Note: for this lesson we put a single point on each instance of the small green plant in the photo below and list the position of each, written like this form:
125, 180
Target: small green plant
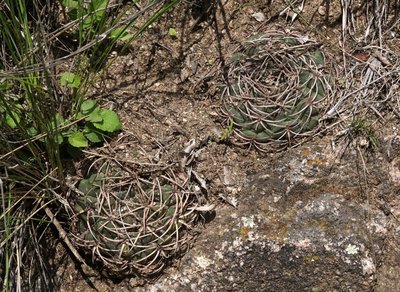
92, 19
172, 32
228, 131
97, 122
363, 128
90, 124
342, 83
88, 14
42, 113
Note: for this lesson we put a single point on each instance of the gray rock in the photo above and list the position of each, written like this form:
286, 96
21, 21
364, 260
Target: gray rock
308, 225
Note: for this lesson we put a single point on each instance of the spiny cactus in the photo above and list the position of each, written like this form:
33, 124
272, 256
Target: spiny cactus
133, 225
276, 91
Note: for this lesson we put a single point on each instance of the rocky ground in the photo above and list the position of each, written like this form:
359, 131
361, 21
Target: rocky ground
323, 216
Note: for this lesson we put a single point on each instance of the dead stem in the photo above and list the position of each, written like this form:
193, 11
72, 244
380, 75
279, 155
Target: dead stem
63, 234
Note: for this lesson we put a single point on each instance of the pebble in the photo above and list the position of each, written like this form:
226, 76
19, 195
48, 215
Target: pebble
259, 16
321, 10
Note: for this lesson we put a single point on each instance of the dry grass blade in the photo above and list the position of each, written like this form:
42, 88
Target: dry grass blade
373, 69
36, 37
368, 21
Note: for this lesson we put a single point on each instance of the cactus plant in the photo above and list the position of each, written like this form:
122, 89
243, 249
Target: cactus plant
276, 90
132, 225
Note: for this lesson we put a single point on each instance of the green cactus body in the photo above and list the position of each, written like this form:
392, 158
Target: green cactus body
277, 88
131, 227
88, 236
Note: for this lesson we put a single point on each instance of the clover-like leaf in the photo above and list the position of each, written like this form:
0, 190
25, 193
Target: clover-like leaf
88, 106
172, 32
110, 122
95, 116
121, 34
58, 138
97, 10
78, 140
93, 135
70, 3
71, 80
88, 21
12, 119
32, 131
